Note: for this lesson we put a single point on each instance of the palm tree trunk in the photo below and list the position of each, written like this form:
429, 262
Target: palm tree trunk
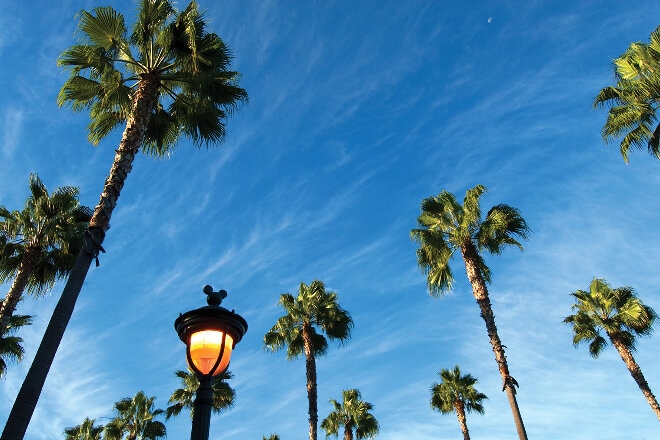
654, 140
8, 305
28, 395
480, 291
310, 368
144, 102
635, 372
348, 432
462, 420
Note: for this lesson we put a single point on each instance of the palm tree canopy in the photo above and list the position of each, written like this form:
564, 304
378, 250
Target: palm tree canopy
184, 397
51, 224
446, 226
84, 431
633, 101
316, 307
135, 419
454, 388
11, 349
188, 65
352, 413
617, 312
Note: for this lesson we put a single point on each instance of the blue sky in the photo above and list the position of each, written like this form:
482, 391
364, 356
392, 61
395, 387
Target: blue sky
358, 111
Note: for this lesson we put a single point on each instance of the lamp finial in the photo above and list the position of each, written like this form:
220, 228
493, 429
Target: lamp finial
214, 298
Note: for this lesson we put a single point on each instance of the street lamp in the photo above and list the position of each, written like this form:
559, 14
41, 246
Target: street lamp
210, 333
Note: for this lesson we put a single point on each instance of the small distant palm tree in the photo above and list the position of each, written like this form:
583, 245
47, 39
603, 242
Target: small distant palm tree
456, 393
84, 431
184, 397
353, 414
39, 244
314, 308
622, 316
11, 349
447, 228
135, 420
271, 437
634, 99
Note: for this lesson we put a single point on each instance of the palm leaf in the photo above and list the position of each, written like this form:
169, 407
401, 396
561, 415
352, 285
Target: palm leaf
105, 28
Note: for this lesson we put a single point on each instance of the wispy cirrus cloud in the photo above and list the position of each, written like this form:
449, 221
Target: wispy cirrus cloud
68, 395
12, 125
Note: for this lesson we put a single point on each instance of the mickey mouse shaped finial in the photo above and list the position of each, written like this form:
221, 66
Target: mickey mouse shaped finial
214, 298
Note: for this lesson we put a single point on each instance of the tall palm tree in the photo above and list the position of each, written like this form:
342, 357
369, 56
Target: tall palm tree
135, 420
10, 346
353, 414
447, 227
271, 437
633, 101
39, 244
313, 311
84, 431
184, 397
456, 393
167, 79
622, 316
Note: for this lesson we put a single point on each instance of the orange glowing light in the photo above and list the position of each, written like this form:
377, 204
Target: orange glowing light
205, 348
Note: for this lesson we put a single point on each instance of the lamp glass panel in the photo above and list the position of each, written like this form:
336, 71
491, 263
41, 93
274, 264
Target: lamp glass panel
205, 348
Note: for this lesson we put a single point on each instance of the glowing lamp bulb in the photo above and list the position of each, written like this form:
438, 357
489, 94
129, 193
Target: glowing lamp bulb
206, 347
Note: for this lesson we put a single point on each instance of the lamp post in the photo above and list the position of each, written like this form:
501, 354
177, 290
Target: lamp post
210, 333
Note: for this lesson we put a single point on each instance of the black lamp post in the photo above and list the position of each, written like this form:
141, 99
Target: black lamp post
210, 333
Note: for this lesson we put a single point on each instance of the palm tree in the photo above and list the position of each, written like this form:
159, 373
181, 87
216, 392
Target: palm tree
456, 393
353, 414
633, 101
622, 316
135, 420
168, 79
447, 227
271, 437
39, 244
84, 431
10, 346
314, 310
184, 397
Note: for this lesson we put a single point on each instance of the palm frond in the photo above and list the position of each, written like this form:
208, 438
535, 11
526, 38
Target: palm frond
188, 66
433, 257
314, 307
352, 413
49, 229
104, 28
471, 211
618, 313
456, 388
11, 348
152, 16
162, 133
182, 397
136, 415
79, 91
446, 226
185, 33
93, 60
502, 226
634, 99
104, 124
199, 118
84, 431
